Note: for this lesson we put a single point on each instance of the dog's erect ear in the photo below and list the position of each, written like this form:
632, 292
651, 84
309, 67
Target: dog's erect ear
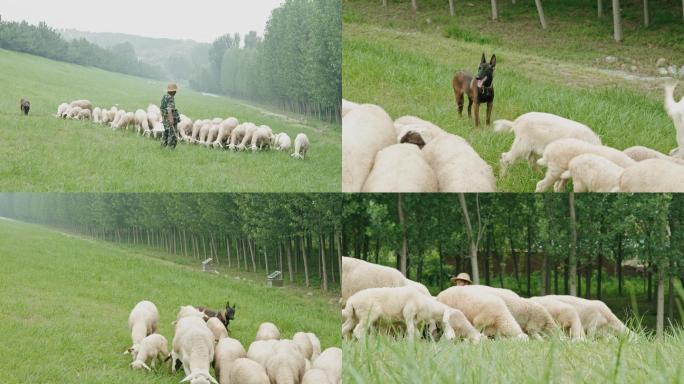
483, 59
492, 61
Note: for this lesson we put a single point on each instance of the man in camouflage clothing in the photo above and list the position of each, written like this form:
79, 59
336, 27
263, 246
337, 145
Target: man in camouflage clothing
170, 117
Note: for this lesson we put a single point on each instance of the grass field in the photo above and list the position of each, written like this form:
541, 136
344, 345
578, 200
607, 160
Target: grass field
65, 304
409, 72
43, 153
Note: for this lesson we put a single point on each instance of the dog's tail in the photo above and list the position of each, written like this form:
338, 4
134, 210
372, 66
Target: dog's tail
541, 161
505, 126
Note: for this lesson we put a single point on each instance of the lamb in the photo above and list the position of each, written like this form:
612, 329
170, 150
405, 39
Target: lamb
126, 120
157, 130
282, 142
286, 365
301, 146
457, 166
246, 371
565, 315
592, 173
267, 331
558, 154
532, 317
653, 175
595, 315
462, 327
226, 353
639, 153
193, 344
534, 131
217, 328
330, 362
83, 104
153, 347
400, 168
141, 122
485, 312
366, 129
142, 321
84, 114
62, 110
261, 138
358, 275
250, 129
236, 136
676, 112
97, 115
347, 106
227, 127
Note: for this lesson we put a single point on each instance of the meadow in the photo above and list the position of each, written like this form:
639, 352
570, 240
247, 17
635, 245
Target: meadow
66, 299
392, 59
41, 153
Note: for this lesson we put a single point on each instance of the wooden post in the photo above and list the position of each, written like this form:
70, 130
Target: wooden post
540, 10
617, 22
647, 17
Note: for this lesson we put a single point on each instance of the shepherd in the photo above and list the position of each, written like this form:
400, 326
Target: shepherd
170, 116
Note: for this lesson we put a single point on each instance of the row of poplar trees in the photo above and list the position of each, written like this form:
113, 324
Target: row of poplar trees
535, 244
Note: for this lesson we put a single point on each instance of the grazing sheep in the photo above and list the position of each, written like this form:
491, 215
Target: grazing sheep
126, 121
653, 175
204, 133
286, 365
315, 344
457, 166
261, 350
141, 122
639, 153
485, 311
117, 116
142, 321
217, 328
193, 345
73, 112
414, 130
267, 331
330, 362
157, 130
366, 129
226, 128
558, 154
62, 110
400, 168
595, 315
212, 135
236, 136
534, 131
246, 371
592, 173
347, 106
676, 112
84, 114
358, 275
83, 104
315, 376
301, 146
462, 327
250, 129
261, 138
304, 344
153, 347
282, 142
226, 353
565, 315
418, 286
97, 115
106, 116
184, 128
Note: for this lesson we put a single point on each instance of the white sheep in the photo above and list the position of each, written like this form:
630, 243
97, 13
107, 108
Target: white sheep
315, 376
62, 110
418, 286
261, 350
226, 128
267, 331
250, 129
212, 135
653, 175
84, 114
558, 154
72, 112
189, 311
592, 173
676, 112
330, 362
142, 321
106, 116
83, 104
414, 130
462, 326
315, 344
304, 344
217, 328
457, 166
639, 153
286, 365
247, 371
152, 348
366, 129
97, 115
236, 136
226, 353
117, 116
184, 128
157, 130
204, 133
595, 315
141, 122
400, 168
193, 345
358, 275
282, 142
261, 138
534, 131
301, 146
565, 316
347, 106
486, 312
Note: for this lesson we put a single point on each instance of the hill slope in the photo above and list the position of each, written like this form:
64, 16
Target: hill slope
63, 318
43, 153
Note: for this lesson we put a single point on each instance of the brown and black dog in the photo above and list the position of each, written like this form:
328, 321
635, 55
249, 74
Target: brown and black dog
479, 89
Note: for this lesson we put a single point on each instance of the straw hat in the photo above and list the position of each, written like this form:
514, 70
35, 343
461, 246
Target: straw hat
462, 276
172, 87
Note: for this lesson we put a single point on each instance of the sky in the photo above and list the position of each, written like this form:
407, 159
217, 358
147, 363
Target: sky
199, 20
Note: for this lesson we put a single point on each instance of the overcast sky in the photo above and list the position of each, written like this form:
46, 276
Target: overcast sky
199, 20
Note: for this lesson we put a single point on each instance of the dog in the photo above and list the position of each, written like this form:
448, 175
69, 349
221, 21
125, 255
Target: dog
479, 89
25, 105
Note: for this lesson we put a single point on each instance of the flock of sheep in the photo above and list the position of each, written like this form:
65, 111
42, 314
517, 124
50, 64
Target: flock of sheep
374, 295
211, 133
414, 155
201, 340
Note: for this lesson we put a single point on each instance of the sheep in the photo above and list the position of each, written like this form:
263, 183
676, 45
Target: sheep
193, 344
330, 362
236, 136
347, 106
485, 312
414, 130
226, 353
532, 317
653, 175
534, 131
558, 154
73, 112
639, 153
592, 173
117, 116
190, 311
400, 168
304, 344
462, 327
212, 135
261, 350
83, 104
282, 142
676, 112
62, 109
267, 331
184, 128
204, 132
142, 321
261, 138
366, 129
418, 286
301, 146
227, 127
315, 344
457, 166
246, 371
97, 115
286, 365
565, 315
595, 315
141, 122
84, 114
358, 275
250, 129
106, 116
153, 347
217, 328
156, 131
316, 376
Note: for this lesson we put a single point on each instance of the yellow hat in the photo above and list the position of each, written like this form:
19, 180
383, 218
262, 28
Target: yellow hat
172, 87
462, 276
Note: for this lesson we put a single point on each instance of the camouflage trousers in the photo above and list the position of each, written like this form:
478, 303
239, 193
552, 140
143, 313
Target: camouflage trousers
169, 136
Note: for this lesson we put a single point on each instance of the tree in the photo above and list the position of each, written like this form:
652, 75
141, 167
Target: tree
573, 245
617, 21
474, 239
251, 40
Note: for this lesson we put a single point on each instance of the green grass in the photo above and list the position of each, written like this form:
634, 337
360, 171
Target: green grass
381, 360
65, 304
43, 153
409, 73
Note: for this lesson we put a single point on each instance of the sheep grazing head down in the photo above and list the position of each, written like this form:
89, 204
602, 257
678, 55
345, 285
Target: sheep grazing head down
199, 378
414, 134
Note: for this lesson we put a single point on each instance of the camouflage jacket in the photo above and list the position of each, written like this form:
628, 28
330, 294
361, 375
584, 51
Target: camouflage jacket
166, 103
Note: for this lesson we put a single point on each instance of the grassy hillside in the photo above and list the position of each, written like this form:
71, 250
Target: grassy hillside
43, 153
63, 318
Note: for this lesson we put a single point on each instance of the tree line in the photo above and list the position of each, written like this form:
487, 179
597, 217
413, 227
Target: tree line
298, 234
535, 244
296, 65
42, 40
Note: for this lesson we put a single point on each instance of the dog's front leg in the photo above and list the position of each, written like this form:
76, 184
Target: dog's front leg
489, 112
470, 106
476, 111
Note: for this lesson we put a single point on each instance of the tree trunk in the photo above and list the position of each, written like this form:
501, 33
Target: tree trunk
573, 245
587, 288
441, 267
599, 277
321, 242
305, 262
540, 11
661, 303
617, 22
228, 252
452, 12
599, 6
487, 257
543, 291
471, 237
339, 256
404, 237
514, 256
331, 247
251, 245
647, 17
289, 259
495, 11
619, 264
528, 261
414, 5
263, 249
